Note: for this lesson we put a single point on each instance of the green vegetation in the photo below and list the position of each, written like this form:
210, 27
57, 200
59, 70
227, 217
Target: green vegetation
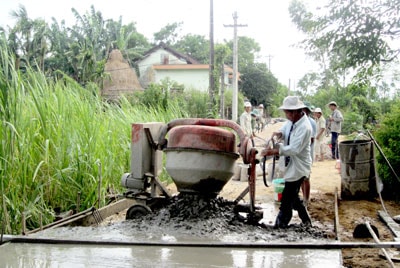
387, 136
80, 51
58, 138
350, 40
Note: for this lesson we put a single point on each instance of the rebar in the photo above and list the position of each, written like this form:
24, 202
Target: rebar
96, 216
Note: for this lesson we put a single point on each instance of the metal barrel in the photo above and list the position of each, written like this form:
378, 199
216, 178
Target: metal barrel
357, 170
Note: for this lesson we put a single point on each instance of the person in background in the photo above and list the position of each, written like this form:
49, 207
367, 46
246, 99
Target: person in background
319, 138
335, 126
254, 122
245, 120
261, 117
308, 110
296, 152
306, 186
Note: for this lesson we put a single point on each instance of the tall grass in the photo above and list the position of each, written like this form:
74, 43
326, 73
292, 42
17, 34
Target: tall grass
56, 138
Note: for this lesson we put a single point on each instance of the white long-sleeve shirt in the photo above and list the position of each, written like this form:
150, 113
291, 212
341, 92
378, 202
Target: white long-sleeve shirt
245, 123
298, 149
336, 124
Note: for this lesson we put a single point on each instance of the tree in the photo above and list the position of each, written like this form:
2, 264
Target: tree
27, 40
59, 42
168, 34
257, 83
355, 34
126, 38
196, 46
88, 48
247, 49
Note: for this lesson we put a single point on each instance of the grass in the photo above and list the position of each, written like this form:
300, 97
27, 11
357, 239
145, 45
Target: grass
57, 139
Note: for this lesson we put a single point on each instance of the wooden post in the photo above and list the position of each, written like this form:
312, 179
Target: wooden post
23, 219
336, 223
99, 188
78, 202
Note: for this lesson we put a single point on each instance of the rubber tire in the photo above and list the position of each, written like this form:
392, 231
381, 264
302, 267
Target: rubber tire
137, 211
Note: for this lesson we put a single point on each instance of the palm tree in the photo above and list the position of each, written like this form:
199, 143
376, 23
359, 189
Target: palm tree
28, 40
126, 38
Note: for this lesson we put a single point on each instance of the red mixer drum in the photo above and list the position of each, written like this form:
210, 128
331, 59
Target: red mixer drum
200, 159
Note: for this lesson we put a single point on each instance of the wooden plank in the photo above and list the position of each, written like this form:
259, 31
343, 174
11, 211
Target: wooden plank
107, 211
336, 223
393, 226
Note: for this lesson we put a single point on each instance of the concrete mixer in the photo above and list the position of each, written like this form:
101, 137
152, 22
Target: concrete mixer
200, 158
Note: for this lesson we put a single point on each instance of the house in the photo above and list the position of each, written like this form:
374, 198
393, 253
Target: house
163, 62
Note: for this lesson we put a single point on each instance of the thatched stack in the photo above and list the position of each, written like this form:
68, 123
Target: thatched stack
122, 78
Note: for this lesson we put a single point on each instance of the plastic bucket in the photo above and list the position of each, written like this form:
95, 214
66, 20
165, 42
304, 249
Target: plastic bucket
357, 169
279, 185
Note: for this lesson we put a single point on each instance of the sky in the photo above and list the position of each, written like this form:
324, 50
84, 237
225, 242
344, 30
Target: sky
267, 22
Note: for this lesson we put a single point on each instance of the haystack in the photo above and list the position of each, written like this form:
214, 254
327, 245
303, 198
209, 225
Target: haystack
122, 79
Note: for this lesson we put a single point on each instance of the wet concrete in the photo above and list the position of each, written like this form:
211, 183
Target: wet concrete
43, 255
194, 218
202, 222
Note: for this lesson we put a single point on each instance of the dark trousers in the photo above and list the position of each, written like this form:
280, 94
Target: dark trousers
290, 200
334, 143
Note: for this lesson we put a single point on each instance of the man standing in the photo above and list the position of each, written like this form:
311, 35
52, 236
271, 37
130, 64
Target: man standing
261, 116
308, 111
245, 120
305, 186
335, 125
296, 151
319, 138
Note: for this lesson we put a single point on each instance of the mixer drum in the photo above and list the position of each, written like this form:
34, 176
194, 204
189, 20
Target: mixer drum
200, 159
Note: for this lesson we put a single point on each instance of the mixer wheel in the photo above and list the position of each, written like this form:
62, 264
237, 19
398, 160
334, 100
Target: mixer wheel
137, 211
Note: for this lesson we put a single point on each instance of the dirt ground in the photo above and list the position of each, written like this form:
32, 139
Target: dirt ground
325, 181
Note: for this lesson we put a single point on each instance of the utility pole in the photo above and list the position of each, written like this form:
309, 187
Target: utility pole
211, 66
222, 98
235, 66
289, 86
269, 62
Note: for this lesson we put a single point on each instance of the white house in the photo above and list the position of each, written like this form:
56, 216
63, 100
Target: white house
162, 62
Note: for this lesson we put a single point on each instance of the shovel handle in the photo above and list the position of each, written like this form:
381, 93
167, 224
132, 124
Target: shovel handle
376, 239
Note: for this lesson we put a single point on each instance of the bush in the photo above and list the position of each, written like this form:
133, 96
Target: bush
387, 136
353, 122
195, 103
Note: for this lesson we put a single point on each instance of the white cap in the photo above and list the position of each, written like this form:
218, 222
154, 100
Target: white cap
292, 103
318, 110
247, 104
332, 103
